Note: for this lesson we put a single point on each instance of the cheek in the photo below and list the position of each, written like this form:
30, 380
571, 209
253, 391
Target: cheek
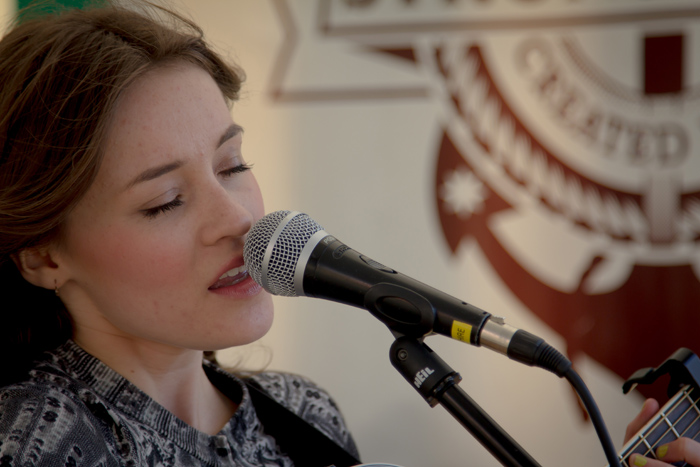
127, 257
257, 207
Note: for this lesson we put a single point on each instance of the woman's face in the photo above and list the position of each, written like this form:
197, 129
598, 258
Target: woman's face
146, 250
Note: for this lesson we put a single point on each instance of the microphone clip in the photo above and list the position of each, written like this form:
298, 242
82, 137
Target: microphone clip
402, 310
437, 383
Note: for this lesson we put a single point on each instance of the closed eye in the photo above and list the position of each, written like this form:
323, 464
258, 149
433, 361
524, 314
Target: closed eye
152, 213
235, 170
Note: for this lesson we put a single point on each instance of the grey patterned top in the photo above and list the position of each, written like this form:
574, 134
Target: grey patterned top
76, 411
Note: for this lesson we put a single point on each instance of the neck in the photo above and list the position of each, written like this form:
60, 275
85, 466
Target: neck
173, 377
678, 417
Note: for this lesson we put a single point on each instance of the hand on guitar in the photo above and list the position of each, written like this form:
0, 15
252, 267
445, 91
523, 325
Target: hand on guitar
682, 449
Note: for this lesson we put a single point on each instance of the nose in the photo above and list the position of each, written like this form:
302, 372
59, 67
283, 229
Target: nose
227, 215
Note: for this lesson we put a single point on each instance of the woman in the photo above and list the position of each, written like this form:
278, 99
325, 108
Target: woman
124, 204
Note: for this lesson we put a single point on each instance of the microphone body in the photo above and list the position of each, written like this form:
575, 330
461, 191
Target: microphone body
289, 254
338, 273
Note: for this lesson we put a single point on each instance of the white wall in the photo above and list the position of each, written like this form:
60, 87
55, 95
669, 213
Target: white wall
336, 161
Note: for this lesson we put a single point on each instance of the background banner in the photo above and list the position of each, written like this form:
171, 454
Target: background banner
537, 159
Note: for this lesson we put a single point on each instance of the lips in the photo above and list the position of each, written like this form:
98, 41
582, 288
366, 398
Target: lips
231, 277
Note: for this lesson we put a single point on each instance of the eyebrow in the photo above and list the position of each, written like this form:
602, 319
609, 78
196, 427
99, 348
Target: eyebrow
155, 172
231, 132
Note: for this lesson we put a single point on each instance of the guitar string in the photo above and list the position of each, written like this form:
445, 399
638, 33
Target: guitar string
662, 417
693, 406
672, 424
656, 422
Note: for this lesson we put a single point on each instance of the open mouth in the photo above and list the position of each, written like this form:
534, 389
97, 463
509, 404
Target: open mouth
231, 277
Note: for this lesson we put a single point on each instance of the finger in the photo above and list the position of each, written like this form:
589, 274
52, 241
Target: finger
649, 408
683, 449
637, 460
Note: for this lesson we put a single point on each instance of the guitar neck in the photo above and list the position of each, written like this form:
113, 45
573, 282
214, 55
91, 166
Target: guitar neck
679, 417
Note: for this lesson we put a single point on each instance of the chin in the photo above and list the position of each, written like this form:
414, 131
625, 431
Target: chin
256, 327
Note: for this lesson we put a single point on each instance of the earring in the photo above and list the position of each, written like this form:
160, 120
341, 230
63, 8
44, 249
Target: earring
55, 287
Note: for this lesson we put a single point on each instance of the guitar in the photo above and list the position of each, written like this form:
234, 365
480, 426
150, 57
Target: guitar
678, 418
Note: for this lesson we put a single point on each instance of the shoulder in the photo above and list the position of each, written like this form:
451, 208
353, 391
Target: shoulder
312, 403
295, 392
48, 424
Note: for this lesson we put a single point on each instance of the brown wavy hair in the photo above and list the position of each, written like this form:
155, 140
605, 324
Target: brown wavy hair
62, 75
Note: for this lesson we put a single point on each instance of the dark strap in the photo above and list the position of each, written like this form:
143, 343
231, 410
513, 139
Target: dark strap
298, 439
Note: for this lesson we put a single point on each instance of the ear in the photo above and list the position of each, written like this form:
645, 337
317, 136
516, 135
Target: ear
37, 267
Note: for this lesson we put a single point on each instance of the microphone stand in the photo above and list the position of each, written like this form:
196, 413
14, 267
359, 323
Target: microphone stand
438, 384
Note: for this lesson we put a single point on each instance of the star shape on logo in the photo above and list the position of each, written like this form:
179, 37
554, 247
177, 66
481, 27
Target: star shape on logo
463, 193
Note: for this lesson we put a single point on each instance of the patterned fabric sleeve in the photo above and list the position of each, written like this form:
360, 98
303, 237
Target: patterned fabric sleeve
47, 427
311, 403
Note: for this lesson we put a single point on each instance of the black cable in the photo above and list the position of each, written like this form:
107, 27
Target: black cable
549, 358
597, 419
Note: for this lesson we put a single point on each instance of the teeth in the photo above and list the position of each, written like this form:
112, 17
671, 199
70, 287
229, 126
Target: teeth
233, 272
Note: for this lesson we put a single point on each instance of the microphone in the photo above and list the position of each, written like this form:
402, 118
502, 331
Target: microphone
289, 254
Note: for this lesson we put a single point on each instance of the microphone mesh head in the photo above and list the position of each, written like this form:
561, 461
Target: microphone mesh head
289, 243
